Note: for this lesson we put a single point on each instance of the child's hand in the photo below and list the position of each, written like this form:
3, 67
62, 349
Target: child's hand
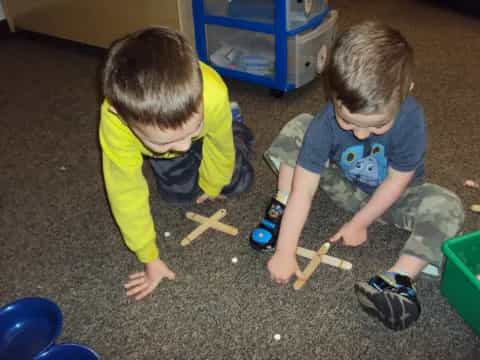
202, 198
351, 234
282, 267
141, 284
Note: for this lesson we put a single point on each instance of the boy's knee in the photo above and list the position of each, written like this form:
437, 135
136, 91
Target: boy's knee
456, 206
450, 203
443, 208
298, 125
287, 144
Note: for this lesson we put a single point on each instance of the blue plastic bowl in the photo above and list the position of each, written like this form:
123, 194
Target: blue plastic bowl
28, 327
68, 352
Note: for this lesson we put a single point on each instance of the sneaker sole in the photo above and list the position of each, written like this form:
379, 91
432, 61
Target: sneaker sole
383, 306
260, 248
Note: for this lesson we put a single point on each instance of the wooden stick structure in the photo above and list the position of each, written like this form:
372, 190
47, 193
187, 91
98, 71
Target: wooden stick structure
316, 258
475, 208
312, 266
207, 223
227, 229
326, 259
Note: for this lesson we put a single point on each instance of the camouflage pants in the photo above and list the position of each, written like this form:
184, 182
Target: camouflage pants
431, 213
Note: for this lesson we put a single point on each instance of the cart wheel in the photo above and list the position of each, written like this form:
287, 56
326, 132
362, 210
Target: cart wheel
277, 93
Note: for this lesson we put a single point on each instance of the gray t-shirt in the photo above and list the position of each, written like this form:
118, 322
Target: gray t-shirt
365, 162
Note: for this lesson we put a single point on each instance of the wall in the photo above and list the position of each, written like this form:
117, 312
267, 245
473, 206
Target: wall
2, 15
98, 22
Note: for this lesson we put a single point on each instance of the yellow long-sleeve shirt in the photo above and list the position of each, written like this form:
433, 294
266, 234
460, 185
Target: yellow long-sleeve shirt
122, 157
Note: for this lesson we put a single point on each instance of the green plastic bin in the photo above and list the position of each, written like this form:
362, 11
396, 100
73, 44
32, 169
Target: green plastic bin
459, 279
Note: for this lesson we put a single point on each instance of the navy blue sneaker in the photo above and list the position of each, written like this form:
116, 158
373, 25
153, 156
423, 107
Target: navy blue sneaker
264, 236
391, 298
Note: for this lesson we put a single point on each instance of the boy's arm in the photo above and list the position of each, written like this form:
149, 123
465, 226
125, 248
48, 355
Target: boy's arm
384, 197
218, 151
128, 194
304, 187
127, 189
355, 231
284, 264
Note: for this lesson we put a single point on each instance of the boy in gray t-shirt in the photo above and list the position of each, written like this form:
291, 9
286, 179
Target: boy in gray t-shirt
365, 149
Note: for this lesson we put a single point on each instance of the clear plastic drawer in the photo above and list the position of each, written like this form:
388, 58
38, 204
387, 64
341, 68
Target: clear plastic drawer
241, 50
304, 47
298, 12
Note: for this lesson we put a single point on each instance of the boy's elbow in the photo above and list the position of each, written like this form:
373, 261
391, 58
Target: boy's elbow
400, 179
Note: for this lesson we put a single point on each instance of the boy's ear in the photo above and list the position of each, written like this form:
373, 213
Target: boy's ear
322, 59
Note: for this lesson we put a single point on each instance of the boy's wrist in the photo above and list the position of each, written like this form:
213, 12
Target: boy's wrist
359, 220
153, 263
148, 253
286, 250
209, 188
157, 259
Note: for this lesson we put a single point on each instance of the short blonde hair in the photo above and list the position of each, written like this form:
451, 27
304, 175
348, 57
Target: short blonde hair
371, 68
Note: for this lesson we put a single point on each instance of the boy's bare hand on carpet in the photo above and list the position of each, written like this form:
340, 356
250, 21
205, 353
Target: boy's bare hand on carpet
282, 267
143, 283
204, 197
350, 234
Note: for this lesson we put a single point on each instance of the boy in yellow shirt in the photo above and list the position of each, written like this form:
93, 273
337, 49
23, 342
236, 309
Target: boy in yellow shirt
162, 103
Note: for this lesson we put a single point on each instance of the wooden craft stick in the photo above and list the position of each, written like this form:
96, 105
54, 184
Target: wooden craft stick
312, 265
227, 229
306, 253
326, 259
203, 227
475, 208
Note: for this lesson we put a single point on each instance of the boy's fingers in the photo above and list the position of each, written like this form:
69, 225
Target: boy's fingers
170, 275
133, 283
137, 289
274, 278
145, 292
137, 275
300, 275
201, 199
336, 237
280, 280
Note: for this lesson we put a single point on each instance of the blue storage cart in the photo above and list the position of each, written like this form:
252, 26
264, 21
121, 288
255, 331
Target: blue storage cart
268, 42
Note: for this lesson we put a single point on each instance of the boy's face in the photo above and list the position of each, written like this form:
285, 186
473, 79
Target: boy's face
165, 140
363, 125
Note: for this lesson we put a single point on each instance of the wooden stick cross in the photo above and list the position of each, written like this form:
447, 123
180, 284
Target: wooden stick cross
206, 223
316, 258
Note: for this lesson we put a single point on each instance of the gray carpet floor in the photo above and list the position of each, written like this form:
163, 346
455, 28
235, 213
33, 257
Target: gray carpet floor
58, 239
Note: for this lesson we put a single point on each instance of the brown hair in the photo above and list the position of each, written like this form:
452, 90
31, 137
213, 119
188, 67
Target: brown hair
371, 68
153, 77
